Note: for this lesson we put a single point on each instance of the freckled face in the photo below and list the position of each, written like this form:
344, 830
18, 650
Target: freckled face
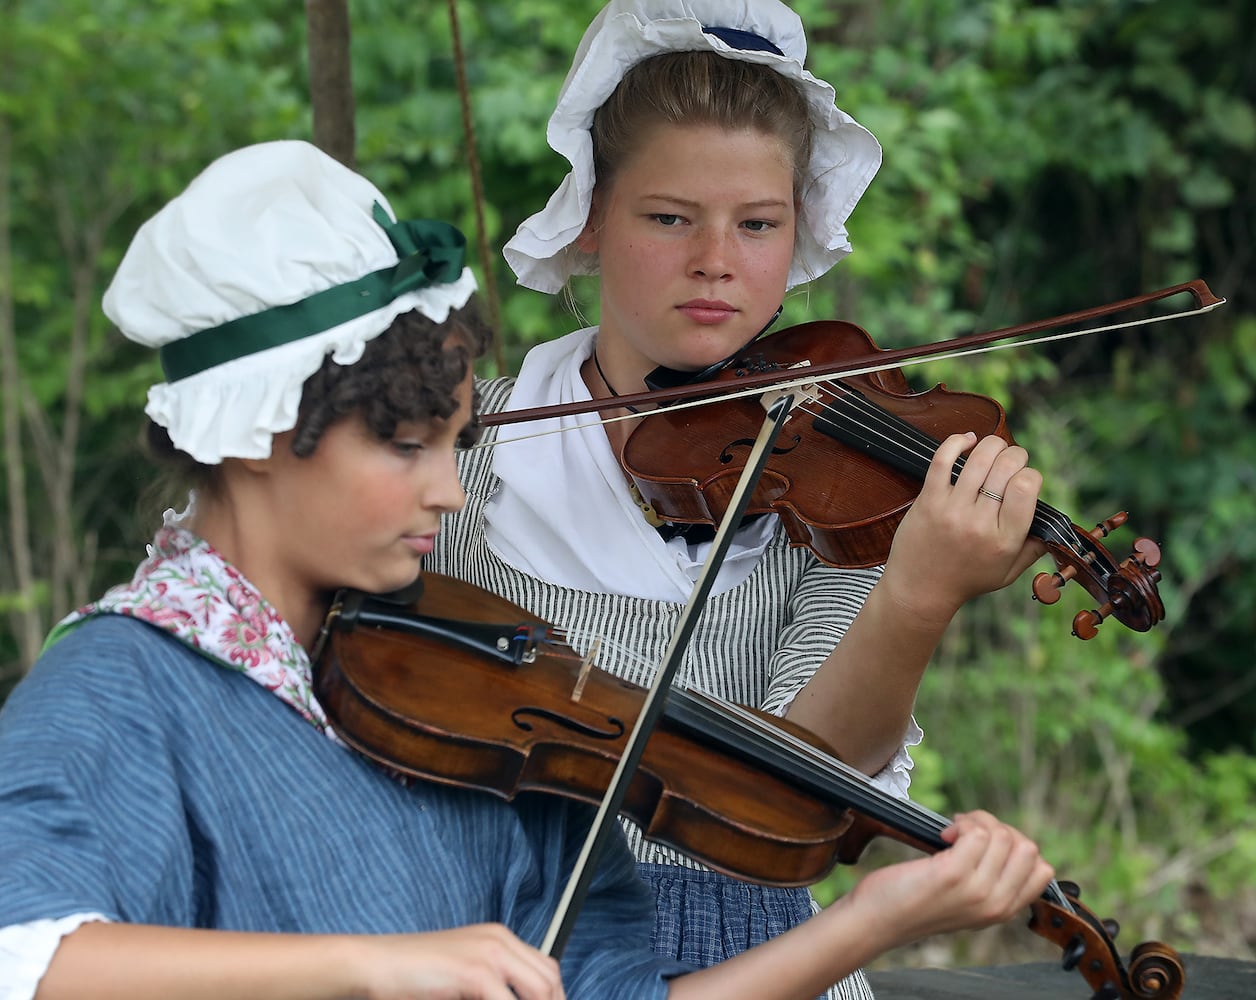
362, 512
694, 240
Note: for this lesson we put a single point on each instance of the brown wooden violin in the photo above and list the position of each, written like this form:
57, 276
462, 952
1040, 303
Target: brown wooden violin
853, 457
744, 792
849, 463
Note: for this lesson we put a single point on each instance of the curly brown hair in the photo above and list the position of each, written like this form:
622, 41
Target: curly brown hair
410, 373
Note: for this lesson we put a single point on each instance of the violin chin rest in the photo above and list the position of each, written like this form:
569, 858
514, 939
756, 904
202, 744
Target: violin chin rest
405, 596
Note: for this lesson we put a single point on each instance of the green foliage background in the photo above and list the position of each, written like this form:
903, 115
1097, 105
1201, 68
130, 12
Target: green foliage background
1039, 158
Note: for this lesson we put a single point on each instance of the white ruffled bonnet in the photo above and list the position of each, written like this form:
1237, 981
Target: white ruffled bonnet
234, 259
844, 157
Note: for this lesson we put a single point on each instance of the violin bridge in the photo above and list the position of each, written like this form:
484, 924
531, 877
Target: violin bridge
586, 667
808, 392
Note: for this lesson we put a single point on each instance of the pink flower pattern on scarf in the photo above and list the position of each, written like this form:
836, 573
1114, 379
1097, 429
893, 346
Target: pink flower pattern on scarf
188, 589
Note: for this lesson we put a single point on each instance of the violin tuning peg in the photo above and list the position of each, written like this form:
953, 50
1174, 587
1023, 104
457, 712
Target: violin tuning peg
1104, 528
1086, 623
1070, 889
1111, 928
1148, 553
1046, 588
1047, 585
1074, 952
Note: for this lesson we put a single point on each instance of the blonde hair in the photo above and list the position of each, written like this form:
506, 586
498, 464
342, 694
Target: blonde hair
700, 88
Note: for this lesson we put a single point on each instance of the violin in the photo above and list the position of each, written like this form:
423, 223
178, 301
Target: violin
849, 463
862, 427
746, 793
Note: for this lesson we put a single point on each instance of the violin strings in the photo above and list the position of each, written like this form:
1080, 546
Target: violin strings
1052, 524
836, 777
894, 436
732, 725
742, 728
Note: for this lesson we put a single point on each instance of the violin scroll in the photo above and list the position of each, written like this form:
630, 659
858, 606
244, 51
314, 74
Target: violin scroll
1127, 590
1155, 971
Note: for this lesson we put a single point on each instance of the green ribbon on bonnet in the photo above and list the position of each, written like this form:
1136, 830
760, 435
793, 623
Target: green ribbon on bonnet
431, 252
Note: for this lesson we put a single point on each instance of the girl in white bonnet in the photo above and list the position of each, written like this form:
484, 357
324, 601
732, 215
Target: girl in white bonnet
177, 816
710, 172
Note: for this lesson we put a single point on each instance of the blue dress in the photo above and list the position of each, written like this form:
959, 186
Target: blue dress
141, 781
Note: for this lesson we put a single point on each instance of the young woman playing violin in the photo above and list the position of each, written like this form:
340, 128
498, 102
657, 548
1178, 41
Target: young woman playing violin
711, 172
178, 818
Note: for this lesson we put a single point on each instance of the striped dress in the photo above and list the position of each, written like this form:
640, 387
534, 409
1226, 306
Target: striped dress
756, 644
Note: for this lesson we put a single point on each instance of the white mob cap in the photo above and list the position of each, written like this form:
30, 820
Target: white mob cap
273, 258
844, 156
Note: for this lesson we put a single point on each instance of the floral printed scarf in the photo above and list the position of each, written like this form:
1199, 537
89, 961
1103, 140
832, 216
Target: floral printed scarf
187, 589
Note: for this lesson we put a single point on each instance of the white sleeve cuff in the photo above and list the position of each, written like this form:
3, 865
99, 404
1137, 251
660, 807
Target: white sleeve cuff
26, 951
895, 777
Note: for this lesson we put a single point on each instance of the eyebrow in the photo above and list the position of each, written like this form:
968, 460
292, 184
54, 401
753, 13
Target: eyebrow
673, 199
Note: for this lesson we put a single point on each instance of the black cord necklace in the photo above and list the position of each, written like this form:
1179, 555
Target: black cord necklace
606, 382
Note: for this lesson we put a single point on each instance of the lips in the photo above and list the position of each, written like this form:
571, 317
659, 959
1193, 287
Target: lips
422, 544
707, 310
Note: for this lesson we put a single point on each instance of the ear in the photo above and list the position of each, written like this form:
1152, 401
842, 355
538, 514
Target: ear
256, 466
587, 241
280, 445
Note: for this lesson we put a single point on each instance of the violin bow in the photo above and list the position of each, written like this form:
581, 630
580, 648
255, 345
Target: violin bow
652, 707
700, 393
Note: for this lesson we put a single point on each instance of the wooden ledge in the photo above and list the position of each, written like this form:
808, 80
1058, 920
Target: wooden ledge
1207, 978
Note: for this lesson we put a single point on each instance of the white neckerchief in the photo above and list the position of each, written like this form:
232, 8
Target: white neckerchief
563, 512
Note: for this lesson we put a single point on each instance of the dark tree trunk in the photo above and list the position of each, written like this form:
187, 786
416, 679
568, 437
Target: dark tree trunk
331, 78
